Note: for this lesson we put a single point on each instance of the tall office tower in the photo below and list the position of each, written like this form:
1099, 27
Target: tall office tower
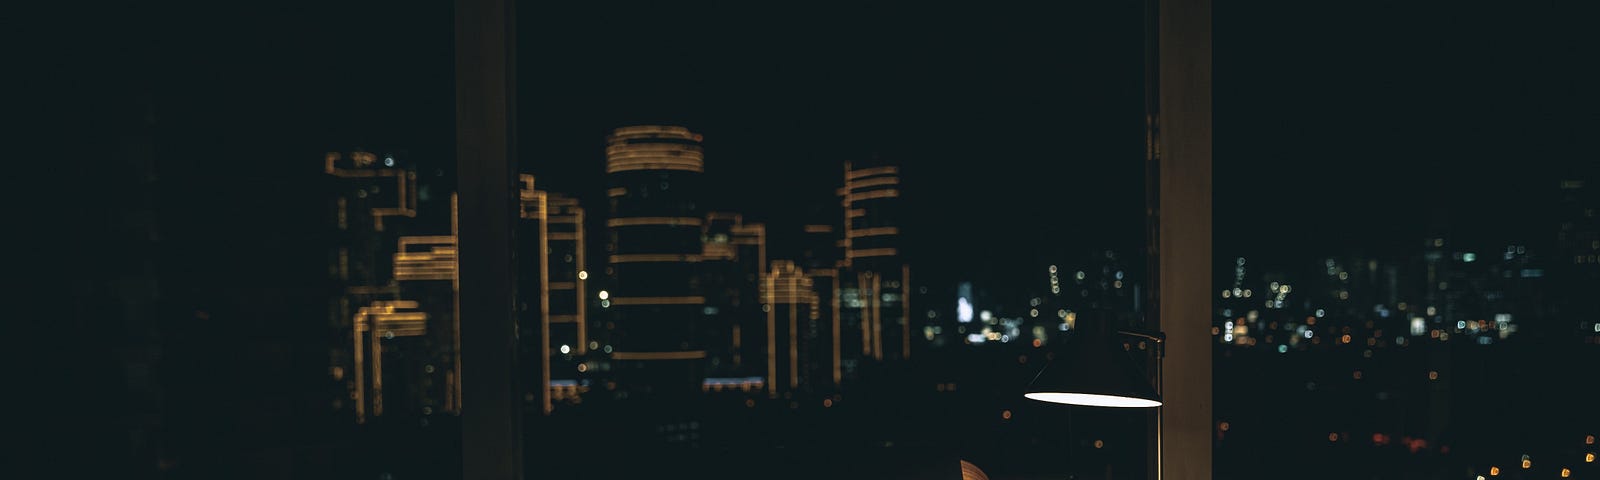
365, 192
425, 269
568, 279
875, 281
820, 259
397, 304
368, 196
791, 328
653, 252
550, 295
1576, 263
1578, 232
533, 294
732, 273
136, 282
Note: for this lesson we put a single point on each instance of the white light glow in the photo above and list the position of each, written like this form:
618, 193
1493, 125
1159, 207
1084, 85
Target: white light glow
963, 310
1092, 400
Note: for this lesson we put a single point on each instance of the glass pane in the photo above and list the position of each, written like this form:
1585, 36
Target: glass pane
281, 301
770, 237
1405, 269
741, 246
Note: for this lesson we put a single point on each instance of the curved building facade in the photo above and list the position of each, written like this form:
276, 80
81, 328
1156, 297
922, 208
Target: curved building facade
653, 254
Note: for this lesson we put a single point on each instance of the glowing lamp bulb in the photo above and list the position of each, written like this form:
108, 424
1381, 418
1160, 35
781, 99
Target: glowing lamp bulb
1093, 400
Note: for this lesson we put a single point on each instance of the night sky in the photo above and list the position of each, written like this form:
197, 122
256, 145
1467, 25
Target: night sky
1355, 127
1019, 127
1020, 132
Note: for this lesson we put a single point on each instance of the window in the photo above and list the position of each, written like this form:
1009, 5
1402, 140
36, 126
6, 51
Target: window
750, 241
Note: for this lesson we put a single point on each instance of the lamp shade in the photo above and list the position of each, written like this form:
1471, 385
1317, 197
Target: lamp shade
1089, 370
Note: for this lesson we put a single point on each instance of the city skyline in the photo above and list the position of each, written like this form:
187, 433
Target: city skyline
1574, 238
664, 265
1453, 325
1438, 155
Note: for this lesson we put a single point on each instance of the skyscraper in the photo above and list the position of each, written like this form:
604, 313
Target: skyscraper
533, 291
654, 246
875, 280
397, 304
551, 304
425, 271
820, 252
791, 306
733, 269
568, 277
1576, 265
1578, 233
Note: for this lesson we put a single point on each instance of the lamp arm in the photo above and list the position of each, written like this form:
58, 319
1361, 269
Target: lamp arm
1159, 338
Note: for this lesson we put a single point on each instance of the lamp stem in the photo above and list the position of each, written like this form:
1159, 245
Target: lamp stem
1152, 187
1156, 458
